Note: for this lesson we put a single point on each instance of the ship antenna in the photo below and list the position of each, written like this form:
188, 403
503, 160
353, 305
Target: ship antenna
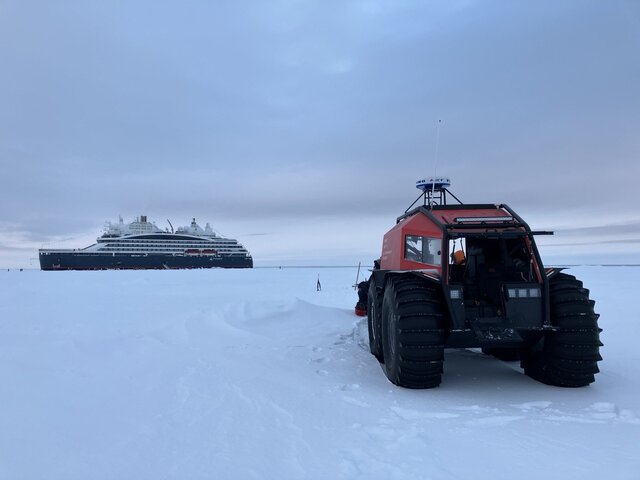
435, 167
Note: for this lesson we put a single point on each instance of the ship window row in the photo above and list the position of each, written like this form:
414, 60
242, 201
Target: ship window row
104, 249
176, 245
190, 240
147, 242
180, 250
181, 240
173, 247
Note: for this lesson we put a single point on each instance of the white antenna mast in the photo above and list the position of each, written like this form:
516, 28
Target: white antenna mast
435, 167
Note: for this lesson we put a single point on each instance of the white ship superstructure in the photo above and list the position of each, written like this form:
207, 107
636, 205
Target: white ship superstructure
142, 244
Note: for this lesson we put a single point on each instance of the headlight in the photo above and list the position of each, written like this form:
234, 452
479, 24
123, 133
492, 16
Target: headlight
533, 292
456, 294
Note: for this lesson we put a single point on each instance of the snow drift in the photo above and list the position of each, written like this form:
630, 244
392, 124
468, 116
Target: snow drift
254, 374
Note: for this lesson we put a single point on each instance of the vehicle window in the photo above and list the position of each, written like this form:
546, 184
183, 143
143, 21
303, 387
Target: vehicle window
422, 249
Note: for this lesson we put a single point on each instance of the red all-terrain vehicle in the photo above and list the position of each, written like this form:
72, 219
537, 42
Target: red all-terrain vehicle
464, 276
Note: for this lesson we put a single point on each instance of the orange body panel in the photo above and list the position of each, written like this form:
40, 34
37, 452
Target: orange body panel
392, 257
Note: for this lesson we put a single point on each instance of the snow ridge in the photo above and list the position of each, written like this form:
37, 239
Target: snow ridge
254, 374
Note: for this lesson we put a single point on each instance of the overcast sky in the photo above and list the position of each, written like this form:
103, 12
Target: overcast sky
300, 127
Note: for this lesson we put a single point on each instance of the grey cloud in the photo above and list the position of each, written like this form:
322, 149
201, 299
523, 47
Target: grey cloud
607, 229
288, 110
631, 241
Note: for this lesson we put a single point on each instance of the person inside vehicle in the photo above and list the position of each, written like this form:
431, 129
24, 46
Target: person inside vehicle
458, 258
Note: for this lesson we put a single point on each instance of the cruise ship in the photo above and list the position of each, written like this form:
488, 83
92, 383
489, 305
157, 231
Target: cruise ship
142, 245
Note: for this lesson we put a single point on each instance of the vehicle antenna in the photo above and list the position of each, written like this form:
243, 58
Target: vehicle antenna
435, 167
355, 287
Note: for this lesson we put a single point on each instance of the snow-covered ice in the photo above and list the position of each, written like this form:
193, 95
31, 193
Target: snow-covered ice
241, 374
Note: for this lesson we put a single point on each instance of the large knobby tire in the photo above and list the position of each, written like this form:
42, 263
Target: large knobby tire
374, 309
413, 332
569, 356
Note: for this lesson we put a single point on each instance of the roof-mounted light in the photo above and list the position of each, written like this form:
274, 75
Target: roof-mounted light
502, 219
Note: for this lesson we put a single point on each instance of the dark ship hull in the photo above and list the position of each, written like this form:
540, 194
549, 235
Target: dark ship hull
76, 260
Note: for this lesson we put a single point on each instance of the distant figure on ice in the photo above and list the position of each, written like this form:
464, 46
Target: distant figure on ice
363, 294
318, 286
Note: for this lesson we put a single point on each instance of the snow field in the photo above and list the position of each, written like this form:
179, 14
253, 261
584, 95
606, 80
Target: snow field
253, 374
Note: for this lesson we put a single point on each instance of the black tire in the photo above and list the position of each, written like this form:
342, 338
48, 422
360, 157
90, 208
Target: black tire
569, 356
504, 354
374, 308
413, 332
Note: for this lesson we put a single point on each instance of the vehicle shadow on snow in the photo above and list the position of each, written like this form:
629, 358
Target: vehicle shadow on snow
465, 369
471, 369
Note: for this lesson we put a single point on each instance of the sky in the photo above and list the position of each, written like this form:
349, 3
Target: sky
300, 127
